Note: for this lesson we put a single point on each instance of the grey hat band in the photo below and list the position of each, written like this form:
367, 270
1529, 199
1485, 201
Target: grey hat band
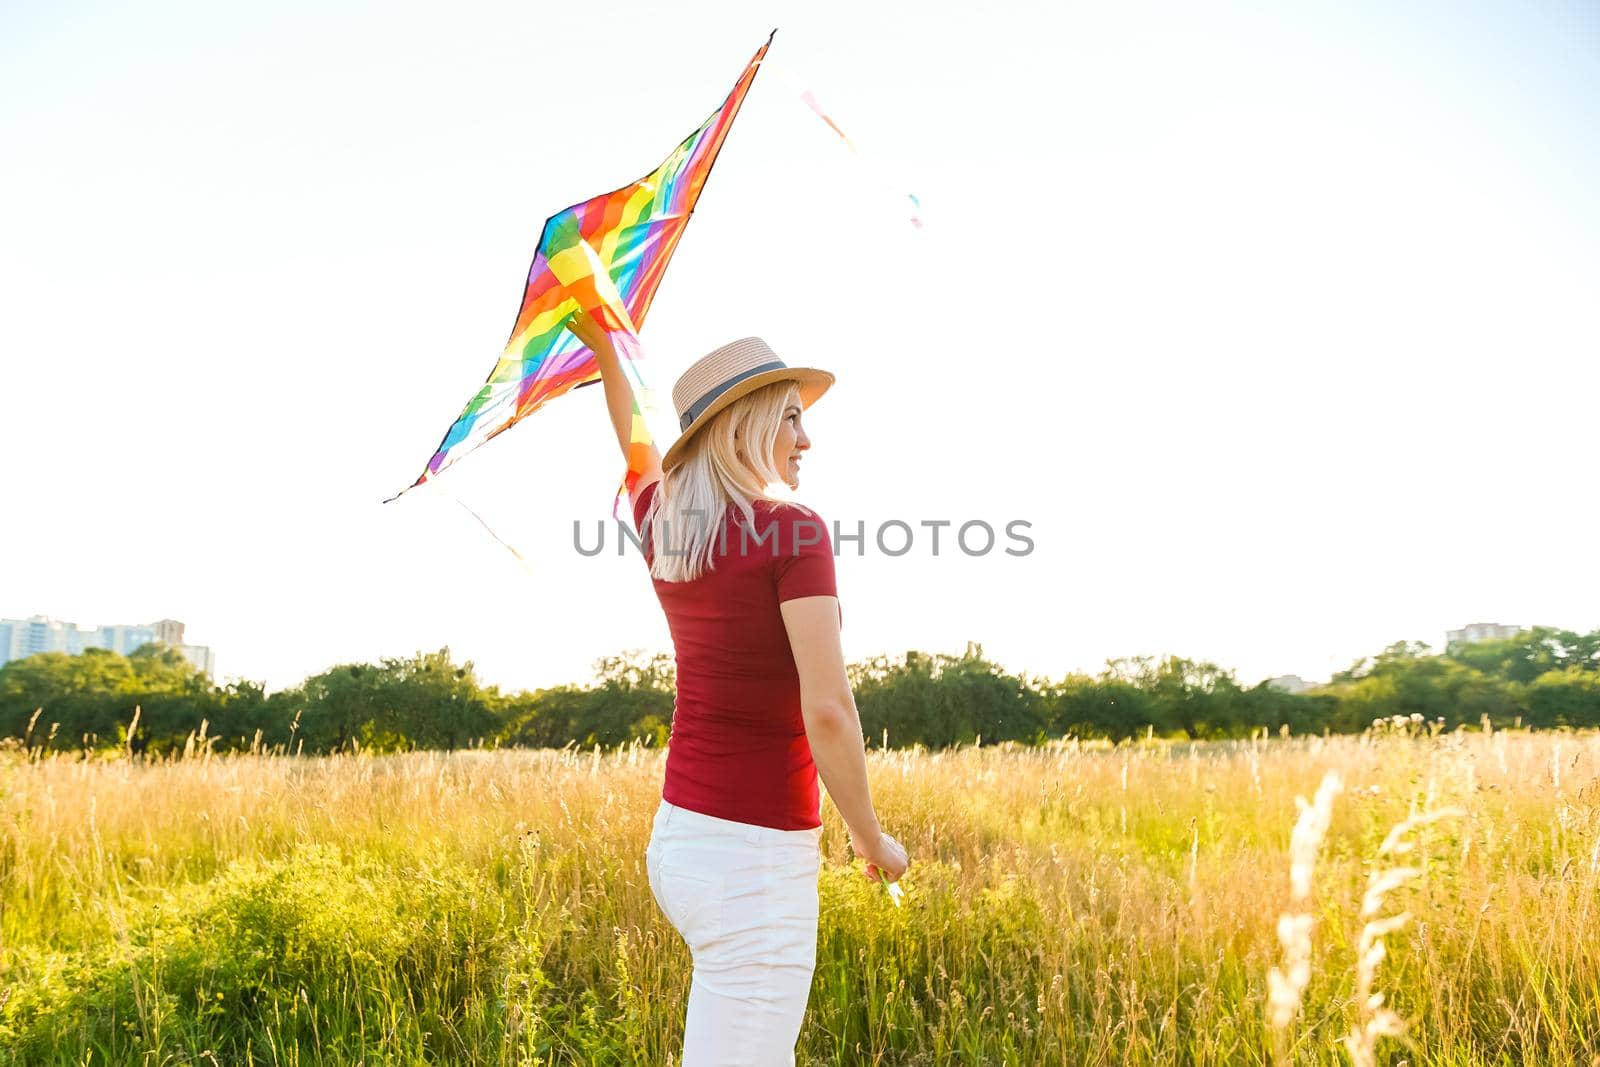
709, 397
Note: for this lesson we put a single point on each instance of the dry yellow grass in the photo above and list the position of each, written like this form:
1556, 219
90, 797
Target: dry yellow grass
1074, 904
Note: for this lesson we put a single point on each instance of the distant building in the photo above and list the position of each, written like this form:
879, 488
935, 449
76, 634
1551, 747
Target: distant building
39, 633
1289, 683
1482, 631
119, 639
201, 657
25, 637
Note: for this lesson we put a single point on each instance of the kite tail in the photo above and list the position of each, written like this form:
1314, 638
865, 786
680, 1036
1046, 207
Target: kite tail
639, 439
809, 98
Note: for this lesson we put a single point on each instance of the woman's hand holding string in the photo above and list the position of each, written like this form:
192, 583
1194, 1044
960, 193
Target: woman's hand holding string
882, 853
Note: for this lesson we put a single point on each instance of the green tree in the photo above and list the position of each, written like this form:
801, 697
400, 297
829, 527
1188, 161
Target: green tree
423, 701
944, 700
1405, 680
1568, 697
634, 700
1108, 707
1199, 699
1529, 655
91, 696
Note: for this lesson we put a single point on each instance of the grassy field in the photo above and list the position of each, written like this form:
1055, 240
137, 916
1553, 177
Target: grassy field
1072, 905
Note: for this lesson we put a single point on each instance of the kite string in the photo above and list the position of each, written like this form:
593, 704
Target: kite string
507, 545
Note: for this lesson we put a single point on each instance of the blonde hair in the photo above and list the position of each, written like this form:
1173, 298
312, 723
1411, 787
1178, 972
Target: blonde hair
728, 462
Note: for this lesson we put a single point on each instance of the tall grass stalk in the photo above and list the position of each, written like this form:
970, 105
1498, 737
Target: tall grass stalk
1286, 985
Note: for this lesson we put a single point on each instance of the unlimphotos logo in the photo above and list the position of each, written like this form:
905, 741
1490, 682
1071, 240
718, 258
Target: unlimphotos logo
892, 537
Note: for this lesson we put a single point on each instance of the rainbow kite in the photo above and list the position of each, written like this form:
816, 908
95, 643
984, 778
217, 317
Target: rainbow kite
607, 256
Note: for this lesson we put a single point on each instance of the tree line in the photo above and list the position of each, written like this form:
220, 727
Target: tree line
1544, 678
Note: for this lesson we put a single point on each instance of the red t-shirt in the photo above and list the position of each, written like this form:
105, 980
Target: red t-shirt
738, 747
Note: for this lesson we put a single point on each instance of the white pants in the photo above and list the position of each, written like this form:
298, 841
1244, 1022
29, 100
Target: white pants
744, 897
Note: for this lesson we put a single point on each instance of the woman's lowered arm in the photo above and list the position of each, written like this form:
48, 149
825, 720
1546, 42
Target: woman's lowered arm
833, 728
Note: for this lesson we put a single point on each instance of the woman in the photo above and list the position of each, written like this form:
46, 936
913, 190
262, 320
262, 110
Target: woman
763, 702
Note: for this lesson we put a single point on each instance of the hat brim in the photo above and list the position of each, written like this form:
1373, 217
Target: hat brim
813, 383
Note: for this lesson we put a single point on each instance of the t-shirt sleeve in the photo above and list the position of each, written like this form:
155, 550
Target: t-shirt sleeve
803, 563
641, 504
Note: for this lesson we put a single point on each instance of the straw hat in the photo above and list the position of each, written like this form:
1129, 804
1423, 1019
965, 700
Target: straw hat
718, 378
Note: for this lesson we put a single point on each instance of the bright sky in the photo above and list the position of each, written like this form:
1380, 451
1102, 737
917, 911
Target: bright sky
1277, 322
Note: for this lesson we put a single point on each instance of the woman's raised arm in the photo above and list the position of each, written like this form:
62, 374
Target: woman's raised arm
619, 392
